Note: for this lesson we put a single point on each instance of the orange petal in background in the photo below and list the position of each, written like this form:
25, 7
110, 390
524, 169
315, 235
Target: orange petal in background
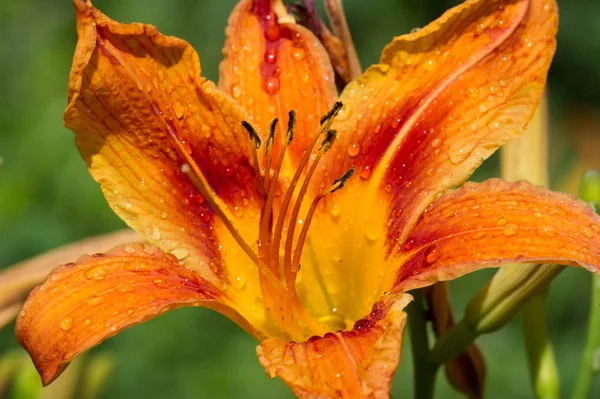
273, 65
350, 364
81, 304
140, 110
442, 100
493, 223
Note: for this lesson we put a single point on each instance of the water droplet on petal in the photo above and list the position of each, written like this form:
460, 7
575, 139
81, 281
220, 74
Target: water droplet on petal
239, 282
336, 211
164, 215
353, 149
160, 283
272, 85
95, 301
299, 54
436, 143
511, 230
66, 323
180, 253
178, 109
365, 172
373, 234
547, 231
96, 273
129, 249
236, 92
501, 222
586, 231
431, 254
154, 233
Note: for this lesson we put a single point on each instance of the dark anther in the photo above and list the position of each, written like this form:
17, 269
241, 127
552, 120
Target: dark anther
252, 133
339, 183
272, 128
328, 141
291, 125
332, 112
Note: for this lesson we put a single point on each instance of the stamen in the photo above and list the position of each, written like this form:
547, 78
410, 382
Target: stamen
326, 122
269, 148
337, 184
328, 117
256, 141
267, 212
325, 146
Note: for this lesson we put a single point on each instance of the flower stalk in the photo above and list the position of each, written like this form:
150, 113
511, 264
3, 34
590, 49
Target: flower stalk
590, 365
424, 371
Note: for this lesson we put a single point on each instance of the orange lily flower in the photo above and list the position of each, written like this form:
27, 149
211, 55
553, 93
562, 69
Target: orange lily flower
230, 221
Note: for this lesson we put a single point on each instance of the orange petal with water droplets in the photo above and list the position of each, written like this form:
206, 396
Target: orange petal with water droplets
493, 223
140, 110
273, 65
466, 372
351, 364
443, 99
81, 304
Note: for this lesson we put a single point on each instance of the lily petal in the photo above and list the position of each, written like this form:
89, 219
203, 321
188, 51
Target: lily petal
141, 110
273, 65
443, 99
81, 304
351, 364
493, 223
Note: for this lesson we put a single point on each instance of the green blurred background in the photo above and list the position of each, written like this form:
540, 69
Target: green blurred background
47, 197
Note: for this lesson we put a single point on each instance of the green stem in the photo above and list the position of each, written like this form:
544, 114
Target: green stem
542, 364
424, 370
590, 191
589, 363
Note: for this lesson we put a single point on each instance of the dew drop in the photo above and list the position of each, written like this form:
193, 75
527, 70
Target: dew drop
188, 149
478, 236
511, 230
87, 322
336, 211
236, 92
586, 231
547, 231
431, 255
160, 283
66, 323
353, 150
299, 54
95, 301
272, 85
365, 172
436, 143
372, 234
501, 222
239, 282
96, 273
154, 233
130, 311
270, 56
408, 245
180, 253
164, 215
178, 109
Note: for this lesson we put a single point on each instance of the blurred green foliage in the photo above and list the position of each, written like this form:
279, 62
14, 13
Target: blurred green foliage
47, 197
